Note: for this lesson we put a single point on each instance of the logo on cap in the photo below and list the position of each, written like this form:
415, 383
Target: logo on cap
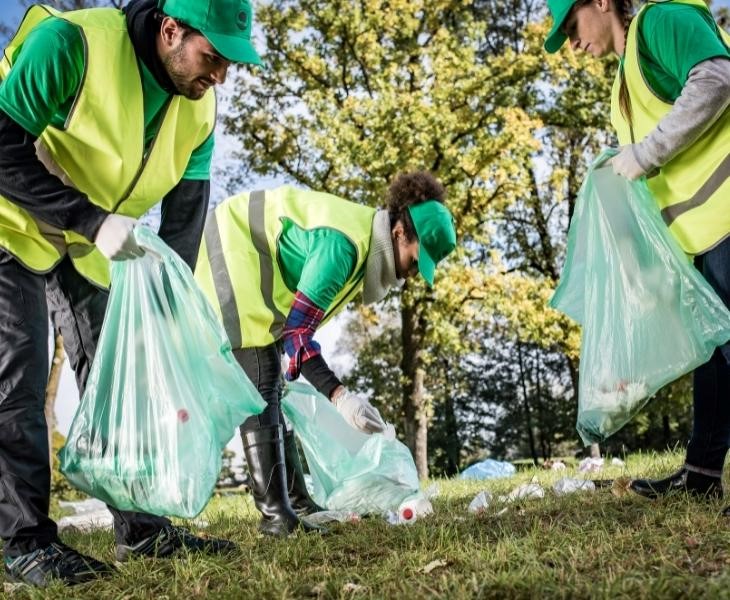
242, 20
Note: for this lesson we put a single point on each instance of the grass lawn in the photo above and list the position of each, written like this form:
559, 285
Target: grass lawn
585, 545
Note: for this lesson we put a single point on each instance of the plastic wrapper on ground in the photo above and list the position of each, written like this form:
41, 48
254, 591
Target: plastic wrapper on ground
524, 492
648, 315
351, 471
567, 485
480, 502
164, 395
488, 469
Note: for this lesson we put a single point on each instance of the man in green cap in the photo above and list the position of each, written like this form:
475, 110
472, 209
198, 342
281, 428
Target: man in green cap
102, 113
275, 265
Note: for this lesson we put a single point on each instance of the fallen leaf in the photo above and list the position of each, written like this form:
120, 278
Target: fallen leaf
620, 486
434, 564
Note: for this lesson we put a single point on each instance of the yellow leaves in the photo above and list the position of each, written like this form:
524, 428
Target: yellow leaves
523, 302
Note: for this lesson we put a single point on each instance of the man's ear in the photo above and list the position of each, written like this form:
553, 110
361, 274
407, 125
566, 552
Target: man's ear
169, 30
397, 230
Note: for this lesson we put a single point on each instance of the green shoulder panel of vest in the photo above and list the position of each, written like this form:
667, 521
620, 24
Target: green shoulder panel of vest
692, 189
238, 266
100, 151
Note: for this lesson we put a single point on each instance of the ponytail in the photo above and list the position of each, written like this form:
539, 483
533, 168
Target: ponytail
624, 7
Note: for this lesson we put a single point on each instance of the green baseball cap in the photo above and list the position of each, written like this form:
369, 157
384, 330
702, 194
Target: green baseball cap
226, 24
436, 235
559, 9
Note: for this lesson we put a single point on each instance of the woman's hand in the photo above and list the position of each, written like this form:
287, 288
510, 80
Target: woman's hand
626, 164
357, 411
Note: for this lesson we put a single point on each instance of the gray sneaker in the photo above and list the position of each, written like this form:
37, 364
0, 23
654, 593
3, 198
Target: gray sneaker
55, 562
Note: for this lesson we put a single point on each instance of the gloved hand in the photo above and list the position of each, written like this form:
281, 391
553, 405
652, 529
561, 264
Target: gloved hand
115, 238
358, 412
625, 163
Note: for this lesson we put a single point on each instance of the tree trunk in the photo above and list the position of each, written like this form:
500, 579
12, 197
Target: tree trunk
453, 444
54, 378
595, 448
414, 401
528, 416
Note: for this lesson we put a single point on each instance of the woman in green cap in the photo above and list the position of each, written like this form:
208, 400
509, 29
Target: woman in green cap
275, 265
670, 109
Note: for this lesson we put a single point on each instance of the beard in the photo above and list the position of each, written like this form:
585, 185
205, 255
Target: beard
179, 75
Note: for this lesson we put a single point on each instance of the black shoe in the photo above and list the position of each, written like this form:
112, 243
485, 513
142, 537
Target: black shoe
726, 511
696, 484
169, 540
264, 450
299, 498
56, 562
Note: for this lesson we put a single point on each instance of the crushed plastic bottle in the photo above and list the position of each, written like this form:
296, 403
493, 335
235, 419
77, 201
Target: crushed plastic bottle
523, 492
411, 509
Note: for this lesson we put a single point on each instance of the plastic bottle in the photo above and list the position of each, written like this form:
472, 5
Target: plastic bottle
412, 508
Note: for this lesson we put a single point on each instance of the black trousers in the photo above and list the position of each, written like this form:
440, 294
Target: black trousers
76, 308
262, 365
710, 439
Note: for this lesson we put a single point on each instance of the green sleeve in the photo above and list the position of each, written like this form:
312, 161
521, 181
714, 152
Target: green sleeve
330, 262
47, 70
676, 37
200, 160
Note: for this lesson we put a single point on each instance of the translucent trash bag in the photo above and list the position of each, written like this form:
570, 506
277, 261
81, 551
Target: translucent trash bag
164, 395
351, 470
648, 315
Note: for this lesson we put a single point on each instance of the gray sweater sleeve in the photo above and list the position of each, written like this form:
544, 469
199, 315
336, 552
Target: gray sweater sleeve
704, 98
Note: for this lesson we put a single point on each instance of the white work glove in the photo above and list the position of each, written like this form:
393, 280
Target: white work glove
626, 165
358, 412
115, 238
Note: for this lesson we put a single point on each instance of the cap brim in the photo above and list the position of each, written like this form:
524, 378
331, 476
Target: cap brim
234, 48
556, 38
426, 266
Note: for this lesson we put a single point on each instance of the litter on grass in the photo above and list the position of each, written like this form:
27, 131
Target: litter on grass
590, 465
488, 469
566, 485
480, 502
523, 492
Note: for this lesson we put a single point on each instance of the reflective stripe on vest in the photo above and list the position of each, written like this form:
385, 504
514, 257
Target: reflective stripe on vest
693, 188
100, 151
237, 266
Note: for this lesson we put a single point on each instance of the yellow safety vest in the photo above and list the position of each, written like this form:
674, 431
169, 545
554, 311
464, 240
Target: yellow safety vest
100, 151
693, 188
238, 265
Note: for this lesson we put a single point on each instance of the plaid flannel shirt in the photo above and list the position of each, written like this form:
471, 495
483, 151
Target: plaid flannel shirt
302, 321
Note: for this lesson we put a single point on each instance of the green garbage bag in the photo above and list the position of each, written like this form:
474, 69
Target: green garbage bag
351, 471
164, 394
648, 315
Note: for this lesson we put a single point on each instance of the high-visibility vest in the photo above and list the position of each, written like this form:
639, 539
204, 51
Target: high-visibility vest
238, 265
100, 151
693, 188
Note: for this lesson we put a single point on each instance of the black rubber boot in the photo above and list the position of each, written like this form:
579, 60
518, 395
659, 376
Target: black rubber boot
264, 450
299, 498
696, 484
